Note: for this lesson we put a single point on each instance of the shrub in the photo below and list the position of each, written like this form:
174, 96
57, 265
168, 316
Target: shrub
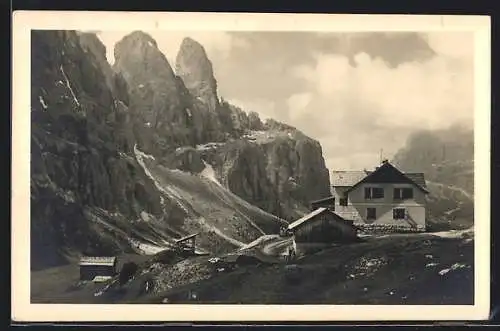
127, 272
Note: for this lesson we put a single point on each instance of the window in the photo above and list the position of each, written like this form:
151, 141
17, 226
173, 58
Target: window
398, 213
371, 213
403, 193
374, 192
343, 201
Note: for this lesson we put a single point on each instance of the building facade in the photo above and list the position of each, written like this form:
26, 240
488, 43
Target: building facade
383, 200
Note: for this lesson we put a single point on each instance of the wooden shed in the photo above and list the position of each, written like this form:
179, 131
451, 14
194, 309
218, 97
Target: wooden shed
187, 243
96, 268
319, 229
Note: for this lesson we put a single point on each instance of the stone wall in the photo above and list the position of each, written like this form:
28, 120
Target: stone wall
389, 228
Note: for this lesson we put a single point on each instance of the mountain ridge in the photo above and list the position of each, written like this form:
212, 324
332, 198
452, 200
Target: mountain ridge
446, 157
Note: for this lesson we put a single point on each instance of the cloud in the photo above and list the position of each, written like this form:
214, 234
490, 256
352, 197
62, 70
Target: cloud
297, 104
217, 44
368, 105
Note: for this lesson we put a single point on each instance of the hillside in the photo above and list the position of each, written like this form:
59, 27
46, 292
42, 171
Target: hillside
397, 269
447, 158
125, 159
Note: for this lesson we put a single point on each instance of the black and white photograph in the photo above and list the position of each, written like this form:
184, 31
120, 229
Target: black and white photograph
196, 166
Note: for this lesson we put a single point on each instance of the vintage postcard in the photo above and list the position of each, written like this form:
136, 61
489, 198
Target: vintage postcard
244, 167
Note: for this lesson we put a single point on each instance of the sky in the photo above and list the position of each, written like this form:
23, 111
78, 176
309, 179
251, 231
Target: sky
359, 94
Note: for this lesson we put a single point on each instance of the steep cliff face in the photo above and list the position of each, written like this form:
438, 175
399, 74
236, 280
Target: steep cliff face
279, 171
80, 145
447, 158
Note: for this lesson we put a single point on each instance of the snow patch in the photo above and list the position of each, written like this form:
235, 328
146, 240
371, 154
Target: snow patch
68, 85
188, 112
164, 189
208, 146
42, 102
139, 156
150, 43
146, 217
150, 249
453, 267
209, 173
146, 248
141, 85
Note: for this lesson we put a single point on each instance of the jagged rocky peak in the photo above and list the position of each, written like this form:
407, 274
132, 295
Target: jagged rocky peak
139, 38
195, 69
137, 54
156, 94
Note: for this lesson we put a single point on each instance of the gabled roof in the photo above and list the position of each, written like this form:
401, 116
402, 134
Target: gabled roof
313, 214
330, 198
306, 218
186, 238
375, 176
98, 260
417, 177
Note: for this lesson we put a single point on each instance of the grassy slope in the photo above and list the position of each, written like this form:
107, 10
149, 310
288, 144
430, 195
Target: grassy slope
335, 276
398, 269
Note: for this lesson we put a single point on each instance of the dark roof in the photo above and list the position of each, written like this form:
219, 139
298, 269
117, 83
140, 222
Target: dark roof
186, 238
330, 198
352, 178
417, 177
386, 166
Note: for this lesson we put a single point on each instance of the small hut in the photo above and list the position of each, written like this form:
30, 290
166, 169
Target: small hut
187, 243
320, 229
98, 268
